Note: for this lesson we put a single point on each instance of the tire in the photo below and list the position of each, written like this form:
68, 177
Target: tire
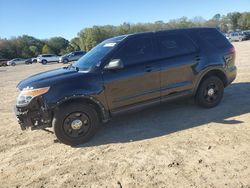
65, 61
13, 64
210, 92
44, 62
66, 124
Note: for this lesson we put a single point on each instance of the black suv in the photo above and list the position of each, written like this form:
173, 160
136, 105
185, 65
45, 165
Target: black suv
127, 73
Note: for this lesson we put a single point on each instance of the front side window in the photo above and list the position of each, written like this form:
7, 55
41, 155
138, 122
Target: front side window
171, 45
95, 56
135, 51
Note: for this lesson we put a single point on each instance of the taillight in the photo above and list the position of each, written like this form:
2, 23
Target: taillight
229, 58
232, 50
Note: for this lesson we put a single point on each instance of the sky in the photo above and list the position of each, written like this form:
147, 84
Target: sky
48, 18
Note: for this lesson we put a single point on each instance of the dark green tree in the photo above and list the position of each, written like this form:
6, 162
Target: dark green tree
234, 20
57, 44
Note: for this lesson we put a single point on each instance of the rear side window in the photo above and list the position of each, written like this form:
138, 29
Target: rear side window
172, 45
78, 53
215, 38
135, 51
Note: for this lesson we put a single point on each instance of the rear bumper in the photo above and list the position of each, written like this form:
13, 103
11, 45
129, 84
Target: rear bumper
231, 74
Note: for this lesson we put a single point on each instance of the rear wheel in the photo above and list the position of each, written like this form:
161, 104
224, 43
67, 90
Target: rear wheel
75, 124
44, 62
210, 92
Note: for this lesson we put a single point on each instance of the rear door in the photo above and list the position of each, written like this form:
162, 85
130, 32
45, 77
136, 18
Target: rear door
54, 58
139, 81
48, 57
178, 55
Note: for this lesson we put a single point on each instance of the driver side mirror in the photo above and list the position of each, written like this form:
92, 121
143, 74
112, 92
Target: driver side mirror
114, 64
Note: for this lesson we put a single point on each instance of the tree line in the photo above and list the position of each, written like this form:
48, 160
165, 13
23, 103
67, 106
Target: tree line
27, 46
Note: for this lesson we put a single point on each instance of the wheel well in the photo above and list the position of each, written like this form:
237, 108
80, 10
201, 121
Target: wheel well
85, 101
217, 73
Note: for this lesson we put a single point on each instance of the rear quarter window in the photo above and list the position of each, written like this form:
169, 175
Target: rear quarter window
215, 38
78, 53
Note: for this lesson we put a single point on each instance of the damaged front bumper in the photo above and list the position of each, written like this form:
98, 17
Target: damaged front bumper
34, 116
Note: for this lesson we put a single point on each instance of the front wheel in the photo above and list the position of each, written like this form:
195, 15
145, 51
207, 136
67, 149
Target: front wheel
210, 92
75, 124
65, 61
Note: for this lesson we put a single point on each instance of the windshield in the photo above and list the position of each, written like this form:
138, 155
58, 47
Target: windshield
94, 56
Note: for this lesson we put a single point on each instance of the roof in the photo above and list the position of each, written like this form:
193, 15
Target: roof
121, 37
178, 29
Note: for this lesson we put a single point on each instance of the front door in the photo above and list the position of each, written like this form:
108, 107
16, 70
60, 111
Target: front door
139, 81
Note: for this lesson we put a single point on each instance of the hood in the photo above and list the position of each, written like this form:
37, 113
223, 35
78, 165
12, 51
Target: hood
48, 78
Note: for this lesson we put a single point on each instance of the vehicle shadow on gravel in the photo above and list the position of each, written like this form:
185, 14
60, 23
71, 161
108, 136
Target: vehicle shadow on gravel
172, 117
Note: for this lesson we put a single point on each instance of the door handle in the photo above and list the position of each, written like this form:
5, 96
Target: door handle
148, 68
197, 58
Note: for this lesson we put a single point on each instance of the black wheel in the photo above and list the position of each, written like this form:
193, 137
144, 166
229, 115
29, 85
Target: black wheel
75, 124
44, 62
210, 92
13, 64
65, 61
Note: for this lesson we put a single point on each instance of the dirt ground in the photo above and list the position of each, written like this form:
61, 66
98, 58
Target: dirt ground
173, 145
